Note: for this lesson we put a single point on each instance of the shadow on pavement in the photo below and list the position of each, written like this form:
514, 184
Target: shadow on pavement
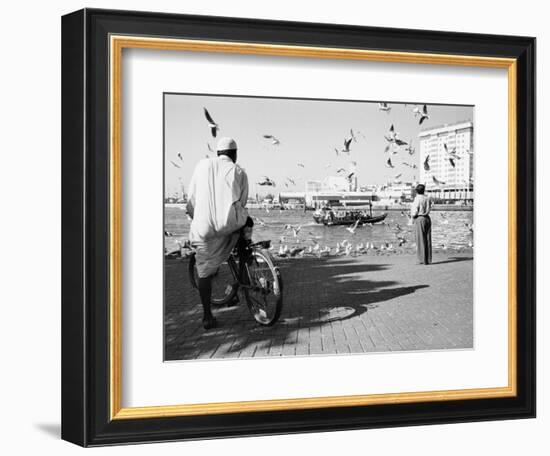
454, 260
317, 292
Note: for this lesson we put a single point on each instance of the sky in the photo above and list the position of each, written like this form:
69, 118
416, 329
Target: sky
308, 130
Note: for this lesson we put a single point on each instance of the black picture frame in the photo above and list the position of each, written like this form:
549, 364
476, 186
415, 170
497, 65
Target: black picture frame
85, 227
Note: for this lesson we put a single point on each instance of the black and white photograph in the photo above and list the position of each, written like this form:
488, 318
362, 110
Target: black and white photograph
307, 227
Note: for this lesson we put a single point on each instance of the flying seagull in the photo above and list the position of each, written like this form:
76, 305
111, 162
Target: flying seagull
437, 181
352, 135
384, 107
391, 134
274, 140
346, 148
214, 127
452, 154
175, 164
423, 115
301, 165
267, 181
352, 229
389, 164
180, 157
427, 163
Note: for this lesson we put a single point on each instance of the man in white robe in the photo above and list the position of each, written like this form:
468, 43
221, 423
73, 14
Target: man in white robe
218, 193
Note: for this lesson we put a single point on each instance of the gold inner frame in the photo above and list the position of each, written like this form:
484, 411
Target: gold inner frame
117, 44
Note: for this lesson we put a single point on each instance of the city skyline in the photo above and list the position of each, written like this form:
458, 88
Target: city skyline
308, 132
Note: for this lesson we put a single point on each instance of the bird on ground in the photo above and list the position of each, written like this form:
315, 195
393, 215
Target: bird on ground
267, 181
423, 115
283, 250
258, 220
214, 127
274, 140
384, 107
296, 251
398, 228
437, 181
389, 164
175, 164
427, 163
352, 229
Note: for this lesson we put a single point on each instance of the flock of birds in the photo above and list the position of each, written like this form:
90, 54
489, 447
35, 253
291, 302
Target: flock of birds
297, 242
394, 145
300, 241
392, 138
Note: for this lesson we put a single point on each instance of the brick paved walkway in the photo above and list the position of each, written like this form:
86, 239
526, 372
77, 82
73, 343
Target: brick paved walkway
332, 306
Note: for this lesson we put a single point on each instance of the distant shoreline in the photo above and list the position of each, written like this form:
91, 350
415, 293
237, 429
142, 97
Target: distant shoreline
403, 207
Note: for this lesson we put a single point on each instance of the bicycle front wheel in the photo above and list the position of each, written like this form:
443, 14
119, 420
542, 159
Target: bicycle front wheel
224, 282
264, 290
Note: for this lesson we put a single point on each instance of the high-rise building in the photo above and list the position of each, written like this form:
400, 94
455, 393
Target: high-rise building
451, 163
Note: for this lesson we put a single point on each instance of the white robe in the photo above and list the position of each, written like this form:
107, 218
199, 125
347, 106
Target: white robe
218, 193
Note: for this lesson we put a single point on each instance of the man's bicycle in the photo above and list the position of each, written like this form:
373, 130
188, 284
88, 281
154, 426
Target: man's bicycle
251, 268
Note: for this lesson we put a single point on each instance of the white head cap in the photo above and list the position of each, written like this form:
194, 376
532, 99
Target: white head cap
226, 144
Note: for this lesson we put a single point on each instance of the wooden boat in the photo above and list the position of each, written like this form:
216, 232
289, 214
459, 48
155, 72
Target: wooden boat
330, 217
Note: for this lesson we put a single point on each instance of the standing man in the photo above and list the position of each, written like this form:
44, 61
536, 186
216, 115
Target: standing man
218, 193
420, 213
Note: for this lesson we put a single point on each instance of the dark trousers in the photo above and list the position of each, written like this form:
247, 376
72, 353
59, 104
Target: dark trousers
423, 229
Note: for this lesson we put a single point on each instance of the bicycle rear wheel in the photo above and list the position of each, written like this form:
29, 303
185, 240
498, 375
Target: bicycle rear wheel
264, 290
224, 282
